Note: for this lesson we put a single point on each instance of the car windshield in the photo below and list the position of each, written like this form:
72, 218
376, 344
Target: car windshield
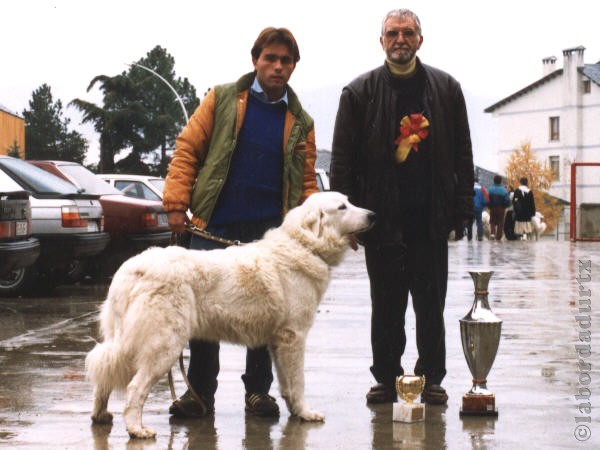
159, 183
34, 179
87, 180
7, 184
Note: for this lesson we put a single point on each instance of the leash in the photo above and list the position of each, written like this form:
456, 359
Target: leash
175, 240
206, 235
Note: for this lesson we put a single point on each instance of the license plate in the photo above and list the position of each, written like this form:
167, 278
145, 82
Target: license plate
21, 229
92, 226
162, 220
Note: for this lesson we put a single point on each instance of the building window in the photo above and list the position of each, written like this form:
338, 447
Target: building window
554, 128
554, 162
587, 86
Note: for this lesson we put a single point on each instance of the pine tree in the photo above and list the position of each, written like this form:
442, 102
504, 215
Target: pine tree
46, 130
140, 113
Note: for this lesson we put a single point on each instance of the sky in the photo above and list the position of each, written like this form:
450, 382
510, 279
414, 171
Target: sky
492, 48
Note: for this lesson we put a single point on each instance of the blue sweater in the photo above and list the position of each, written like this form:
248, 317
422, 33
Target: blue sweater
499, 196
253, 189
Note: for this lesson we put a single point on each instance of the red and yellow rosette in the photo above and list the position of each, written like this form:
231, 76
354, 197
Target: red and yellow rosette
413, 129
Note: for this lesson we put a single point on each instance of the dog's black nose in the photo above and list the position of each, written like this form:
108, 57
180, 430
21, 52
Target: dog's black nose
372, 216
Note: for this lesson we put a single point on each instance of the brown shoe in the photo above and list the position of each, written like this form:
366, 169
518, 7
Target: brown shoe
262, 405
188, 406
380, 393
434, 394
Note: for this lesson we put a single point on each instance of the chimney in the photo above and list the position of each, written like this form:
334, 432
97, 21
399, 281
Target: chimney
573, 58
548, 65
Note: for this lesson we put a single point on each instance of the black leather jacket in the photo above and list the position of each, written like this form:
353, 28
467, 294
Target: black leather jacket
363, 165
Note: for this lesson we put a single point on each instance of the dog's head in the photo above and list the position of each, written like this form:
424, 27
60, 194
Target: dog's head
325, 222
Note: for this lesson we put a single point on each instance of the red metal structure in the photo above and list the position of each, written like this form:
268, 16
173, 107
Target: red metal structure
573, 208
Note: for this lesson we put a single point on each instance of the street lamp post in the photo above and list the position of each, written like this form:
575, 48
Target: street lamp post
185, 114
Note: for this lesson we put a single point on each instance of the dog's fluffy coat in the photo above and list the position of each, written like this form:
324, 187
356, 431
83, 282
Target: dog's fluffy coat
263, 293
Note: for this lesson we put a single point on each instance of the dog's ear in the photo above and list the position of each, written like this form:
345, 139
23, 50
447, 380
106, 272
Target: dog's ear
312, 221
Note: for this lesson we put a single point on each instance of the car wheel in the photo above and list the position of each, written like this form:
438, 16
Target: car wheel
13, 283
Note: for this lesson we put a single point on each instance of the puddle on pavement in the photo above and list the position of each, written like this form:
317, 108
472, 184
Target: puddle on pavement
43, 343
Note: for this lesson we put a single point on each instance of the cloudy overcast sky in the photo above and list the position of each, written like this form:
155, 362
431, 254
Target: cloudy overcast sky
492, 48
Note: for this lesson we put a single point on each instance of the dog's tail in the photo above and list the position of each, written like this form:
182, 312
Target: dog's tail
107, 367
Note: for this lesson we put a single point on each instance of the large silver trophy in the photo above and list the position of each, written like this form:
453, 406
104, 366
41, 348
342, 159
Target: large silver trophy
480, 335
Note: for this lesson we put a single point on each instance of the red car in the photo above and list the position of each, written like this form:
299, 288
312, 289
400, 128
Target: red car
133, 224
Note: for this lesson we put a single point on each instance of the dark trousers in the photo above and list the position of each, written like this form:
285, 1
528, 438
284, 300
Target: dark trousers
497, 214
418, 267
479, 221
204, 355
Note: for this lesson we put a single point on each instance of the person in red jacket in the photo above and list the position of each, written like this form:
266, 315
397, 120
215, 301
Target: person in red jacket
481, 200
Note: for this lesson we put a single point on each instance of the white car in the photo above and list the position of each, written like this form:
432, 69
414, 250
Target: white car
138, 186
322, 180
68, 223
149, 187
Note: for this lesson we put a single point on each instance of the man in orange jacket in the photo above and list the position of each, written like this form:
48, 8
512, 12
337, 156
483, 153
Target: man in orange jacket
243, 160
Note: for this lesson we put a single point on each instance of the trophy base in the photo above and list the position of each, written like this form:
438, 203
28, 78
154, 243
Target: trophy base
478, 405
409, 412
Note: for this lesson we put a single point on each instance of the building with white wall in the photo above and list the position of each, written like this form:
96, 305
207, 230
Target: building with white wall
560, 115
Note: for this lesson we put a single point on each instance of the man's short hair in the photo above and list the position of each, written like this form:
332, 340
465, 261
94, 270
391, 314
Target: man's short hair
272, 35
402, 14
497, 179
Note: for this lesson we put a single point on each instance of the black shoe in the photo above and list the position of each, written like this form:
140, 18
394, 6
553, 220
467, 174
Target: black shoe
434, 394
188, 406
380, 393
262, 405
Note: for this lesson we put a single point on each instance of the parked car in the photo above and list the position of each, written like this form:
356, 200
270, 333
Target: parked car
18, 249
67, 222
138, 186
134, 224
322, 180
145, 186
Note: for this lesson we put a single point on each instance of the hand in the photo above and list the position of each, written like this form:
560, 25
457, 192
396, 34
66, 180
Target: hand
177, 221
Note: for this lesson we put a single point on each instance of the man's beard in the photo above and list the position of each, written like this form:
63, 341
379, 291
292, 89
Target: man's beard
401, 57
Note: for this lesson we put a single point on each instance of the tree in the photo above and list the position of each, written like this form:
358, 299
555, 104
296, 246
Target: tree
140, 113
165, 119
46, 130
117, 121
14, 150
523, 163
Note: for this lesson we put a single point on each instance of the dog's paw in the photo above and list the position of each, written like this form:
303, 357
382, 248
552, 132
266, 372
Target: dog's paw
312, 416
103, 418
141, 432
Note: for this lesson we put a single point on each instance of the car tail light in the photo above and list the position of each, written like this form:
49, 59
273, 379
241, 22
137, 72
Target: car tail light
150, 220
71, 217
7, 229
11, 229
101, 222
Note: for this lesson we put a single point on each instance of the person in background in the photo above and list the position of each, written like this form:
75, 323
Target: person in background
402, 148
524, 207
481, 200
244, 159
509, 218
499, 201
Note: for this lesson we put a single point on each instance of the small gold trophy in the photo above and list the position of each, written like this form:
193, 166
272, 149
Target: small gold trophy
409, 387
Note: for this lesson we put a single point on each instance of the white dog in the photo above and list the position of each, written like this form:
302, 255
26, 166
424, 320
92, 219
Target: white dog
485, 219
262, 293
539, 225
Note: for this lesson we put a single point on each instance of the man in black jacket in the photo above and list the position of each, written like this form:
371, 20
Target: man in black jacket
402, 148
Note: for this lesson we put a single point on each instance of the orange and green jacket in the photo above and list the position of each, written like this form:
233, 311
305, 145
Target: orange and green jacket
204, 148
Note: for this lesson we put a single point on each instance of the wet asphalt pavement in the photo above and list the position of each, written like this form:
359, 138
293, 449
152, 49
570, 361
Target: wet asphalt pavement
45, 401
